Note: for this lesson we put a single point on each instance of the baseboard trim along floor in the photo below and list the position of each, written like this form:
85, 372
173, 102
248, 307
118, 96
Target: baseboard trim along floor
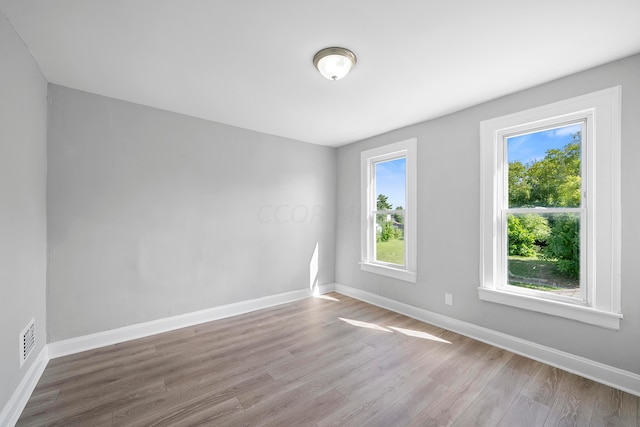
14, 407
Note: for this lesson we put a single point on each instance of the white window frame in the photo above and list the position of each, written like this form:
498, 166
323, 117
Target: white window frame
368, 160
599, 303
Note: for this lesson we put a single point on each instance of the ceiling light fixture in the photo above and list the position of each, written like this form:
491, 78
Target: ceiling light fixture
334, 62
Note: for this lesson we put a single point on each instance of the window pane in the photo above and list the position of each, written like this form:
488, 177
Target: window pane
390, 238
391, 195
391, 182
544, 168
544, 252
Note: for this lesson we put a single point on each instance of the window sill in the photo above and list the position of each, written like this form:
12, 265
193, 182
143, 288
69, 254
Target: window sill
396, 273
580, 313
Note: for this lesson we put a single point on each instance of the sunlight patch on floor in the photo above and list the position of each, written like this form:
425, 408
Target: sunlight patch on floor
419, 334
362, 324
408, 332
327, 297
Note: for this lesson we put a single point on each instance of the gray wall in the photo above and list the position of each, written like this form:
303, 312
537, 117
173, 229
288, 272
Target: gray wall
448, 224
23, 131
153, 214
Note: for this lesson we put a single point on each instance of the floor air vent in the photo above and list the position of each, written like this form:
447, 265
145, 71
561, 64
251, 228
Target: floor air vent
27, 341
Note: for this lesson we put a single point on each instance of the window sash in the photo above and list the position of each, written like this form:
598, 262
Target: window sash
373, 204
374, 223
585, 118
503, 256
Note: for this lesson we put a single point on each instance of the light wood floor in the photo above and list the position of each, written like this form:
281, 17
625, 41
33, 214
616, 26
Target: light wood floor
320, 362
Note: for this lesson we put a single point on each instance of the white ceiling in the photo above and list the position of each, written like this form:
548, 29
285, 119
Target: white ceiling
248, 63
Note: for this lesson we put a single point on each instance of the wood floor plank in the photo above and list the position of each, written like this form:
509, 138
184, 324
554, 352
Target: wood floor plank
525, 412
272, 389
363, 386
202, 414
95, 406
495, 399
80, 377
388, 398
423, 420
77, 420
411, 399
308, 412
322, 361
184, 400
545, 385
274, 408
323, 380
39, 403
614, 408
365, 407
202, 409
466, 382
574, 404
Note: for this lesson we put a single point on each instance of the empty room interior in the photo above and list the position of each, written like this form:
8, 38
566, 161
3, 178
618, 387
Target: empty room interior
319, 213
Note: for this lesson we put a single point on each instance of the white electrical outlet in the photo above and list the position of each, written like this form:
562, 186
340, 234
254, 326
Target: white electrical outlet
448, 299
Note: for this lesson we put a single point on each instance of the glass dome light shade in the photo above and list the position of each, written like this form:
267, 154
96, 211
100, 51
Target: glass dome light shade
334, 62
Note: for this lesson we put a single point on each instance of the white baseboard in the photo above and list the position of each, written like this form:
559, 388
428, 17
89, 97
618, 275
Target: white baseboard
14, 407
605, 374
325, 289
141, 330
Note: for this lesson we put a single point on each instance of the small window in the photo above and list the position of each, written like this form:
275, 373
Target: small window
388, 210
550, 191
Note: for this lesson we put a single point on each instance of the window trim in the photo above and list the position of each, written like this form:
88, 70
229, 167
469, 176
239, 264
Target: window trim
600, 303
368, 158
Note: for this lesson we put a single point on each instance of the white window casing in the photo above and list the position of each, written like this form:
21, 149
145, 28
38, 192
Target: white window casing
406, 149
600, 299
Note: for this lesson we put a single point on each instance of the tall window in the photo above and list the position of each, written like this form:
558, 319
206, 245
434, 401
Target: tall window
551, 209
388, 210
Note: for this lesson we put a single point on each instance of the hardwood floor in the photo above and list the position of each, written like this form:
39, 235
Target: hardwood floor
328, 361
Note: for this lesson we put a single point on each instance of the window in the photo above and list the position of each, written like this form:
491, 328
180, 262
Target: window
551, 190
388, 210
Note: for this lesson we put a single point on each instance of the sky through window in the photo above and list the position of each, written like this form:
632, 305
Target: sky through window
391, 181
531, 147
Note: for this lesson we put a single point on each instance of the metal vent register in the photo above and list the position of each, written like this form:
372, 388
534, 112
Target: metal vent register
27, 341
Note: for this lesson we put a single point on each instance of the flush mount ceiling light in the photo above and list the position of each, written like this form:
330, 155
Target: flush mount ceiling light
334, 62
